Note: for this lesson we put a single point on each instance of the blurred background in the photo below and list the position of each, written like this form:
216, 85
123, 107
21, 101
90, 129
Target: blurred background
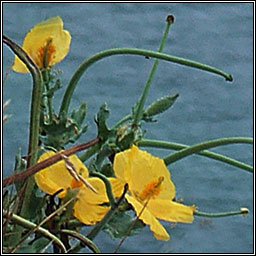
217, 34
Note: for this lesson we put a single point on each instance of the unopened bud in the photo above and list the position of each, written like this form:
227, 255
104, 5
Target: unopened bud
160, 105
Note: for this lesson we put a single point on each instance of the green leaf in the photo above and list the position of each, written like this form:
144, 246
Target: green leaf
120, 223
107, 170
57, 85
34, 211
100, 119
68, 213
37, 246
127, 135
105, 151
65, 129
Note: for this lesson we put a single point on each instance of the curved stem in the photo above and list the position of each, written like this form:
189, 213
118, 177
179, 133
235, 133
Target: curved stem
82, 238
29, 225
177, 146
205, 145
99, 226
34, 117
243, 211
33, 230
131, 51
35, 100
110, 195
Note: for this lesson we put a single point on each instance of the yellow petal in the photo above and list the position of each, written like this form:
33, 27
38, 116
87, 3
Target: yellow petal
146, 216
88, 196
36, 40
139, 168
87, 213
88, 207
122, 164
117, 187
171, 211
56, 176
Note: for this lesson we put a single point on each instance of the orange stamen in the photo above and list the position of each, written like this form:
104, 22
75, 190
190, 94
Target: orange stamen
151, 190
76, 184
48, 49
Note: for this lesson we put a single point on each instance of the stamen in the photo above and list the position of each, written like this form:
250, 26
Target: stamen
151, 190
45, 54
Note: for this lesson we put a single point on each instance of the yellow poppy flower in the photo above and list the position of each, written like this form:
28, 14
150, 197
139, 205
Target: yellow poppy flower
88, 207
151, 190
47, 43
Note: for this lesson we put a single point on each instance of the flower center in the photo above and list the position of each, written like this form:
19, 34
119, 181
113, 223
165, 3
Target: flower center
45, 54
76, 184
151, 190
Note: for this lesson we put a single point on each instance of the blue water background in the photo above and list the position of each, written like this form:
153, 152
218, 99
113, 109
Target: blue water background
218, 34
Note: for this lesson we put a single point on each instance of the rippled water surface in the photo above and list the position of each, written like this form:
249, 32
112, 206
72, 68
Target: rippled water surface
208, 107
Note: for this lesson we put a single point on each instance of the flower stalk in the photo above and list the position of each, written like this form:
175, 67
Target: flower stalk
30, 225
243, 211
205, 145
130, 51
141, 103
206, 153
34, 115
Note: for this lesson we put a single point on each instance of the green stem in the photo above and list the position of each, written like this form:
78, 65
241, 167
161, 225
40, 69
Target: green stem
110, 195
140, 107
34, 115
130, 51
83, 239
121, 121
177, 146
45, 74
30, 225
90, 152
243, 211
100, 225
205, 145
35, 101
33, 230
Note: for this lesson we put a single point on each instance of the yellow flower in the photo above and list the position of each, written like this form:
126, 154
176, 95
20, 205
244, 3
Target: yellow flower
88, 207
151, 190
47, 43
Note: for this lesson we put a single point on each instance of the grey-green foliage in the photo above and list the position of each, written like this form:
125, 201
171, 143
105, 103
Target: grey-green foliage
64, 129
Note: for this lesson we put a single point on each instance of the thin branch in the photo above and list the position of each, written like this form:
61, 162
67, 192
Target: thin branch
47, 162
30, 225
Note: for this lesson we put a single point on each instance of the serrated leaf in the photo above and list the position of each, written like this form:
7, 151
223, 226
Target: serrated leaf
100, 119
54, 88
79, 115
127, 135
65, 129
105, 151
